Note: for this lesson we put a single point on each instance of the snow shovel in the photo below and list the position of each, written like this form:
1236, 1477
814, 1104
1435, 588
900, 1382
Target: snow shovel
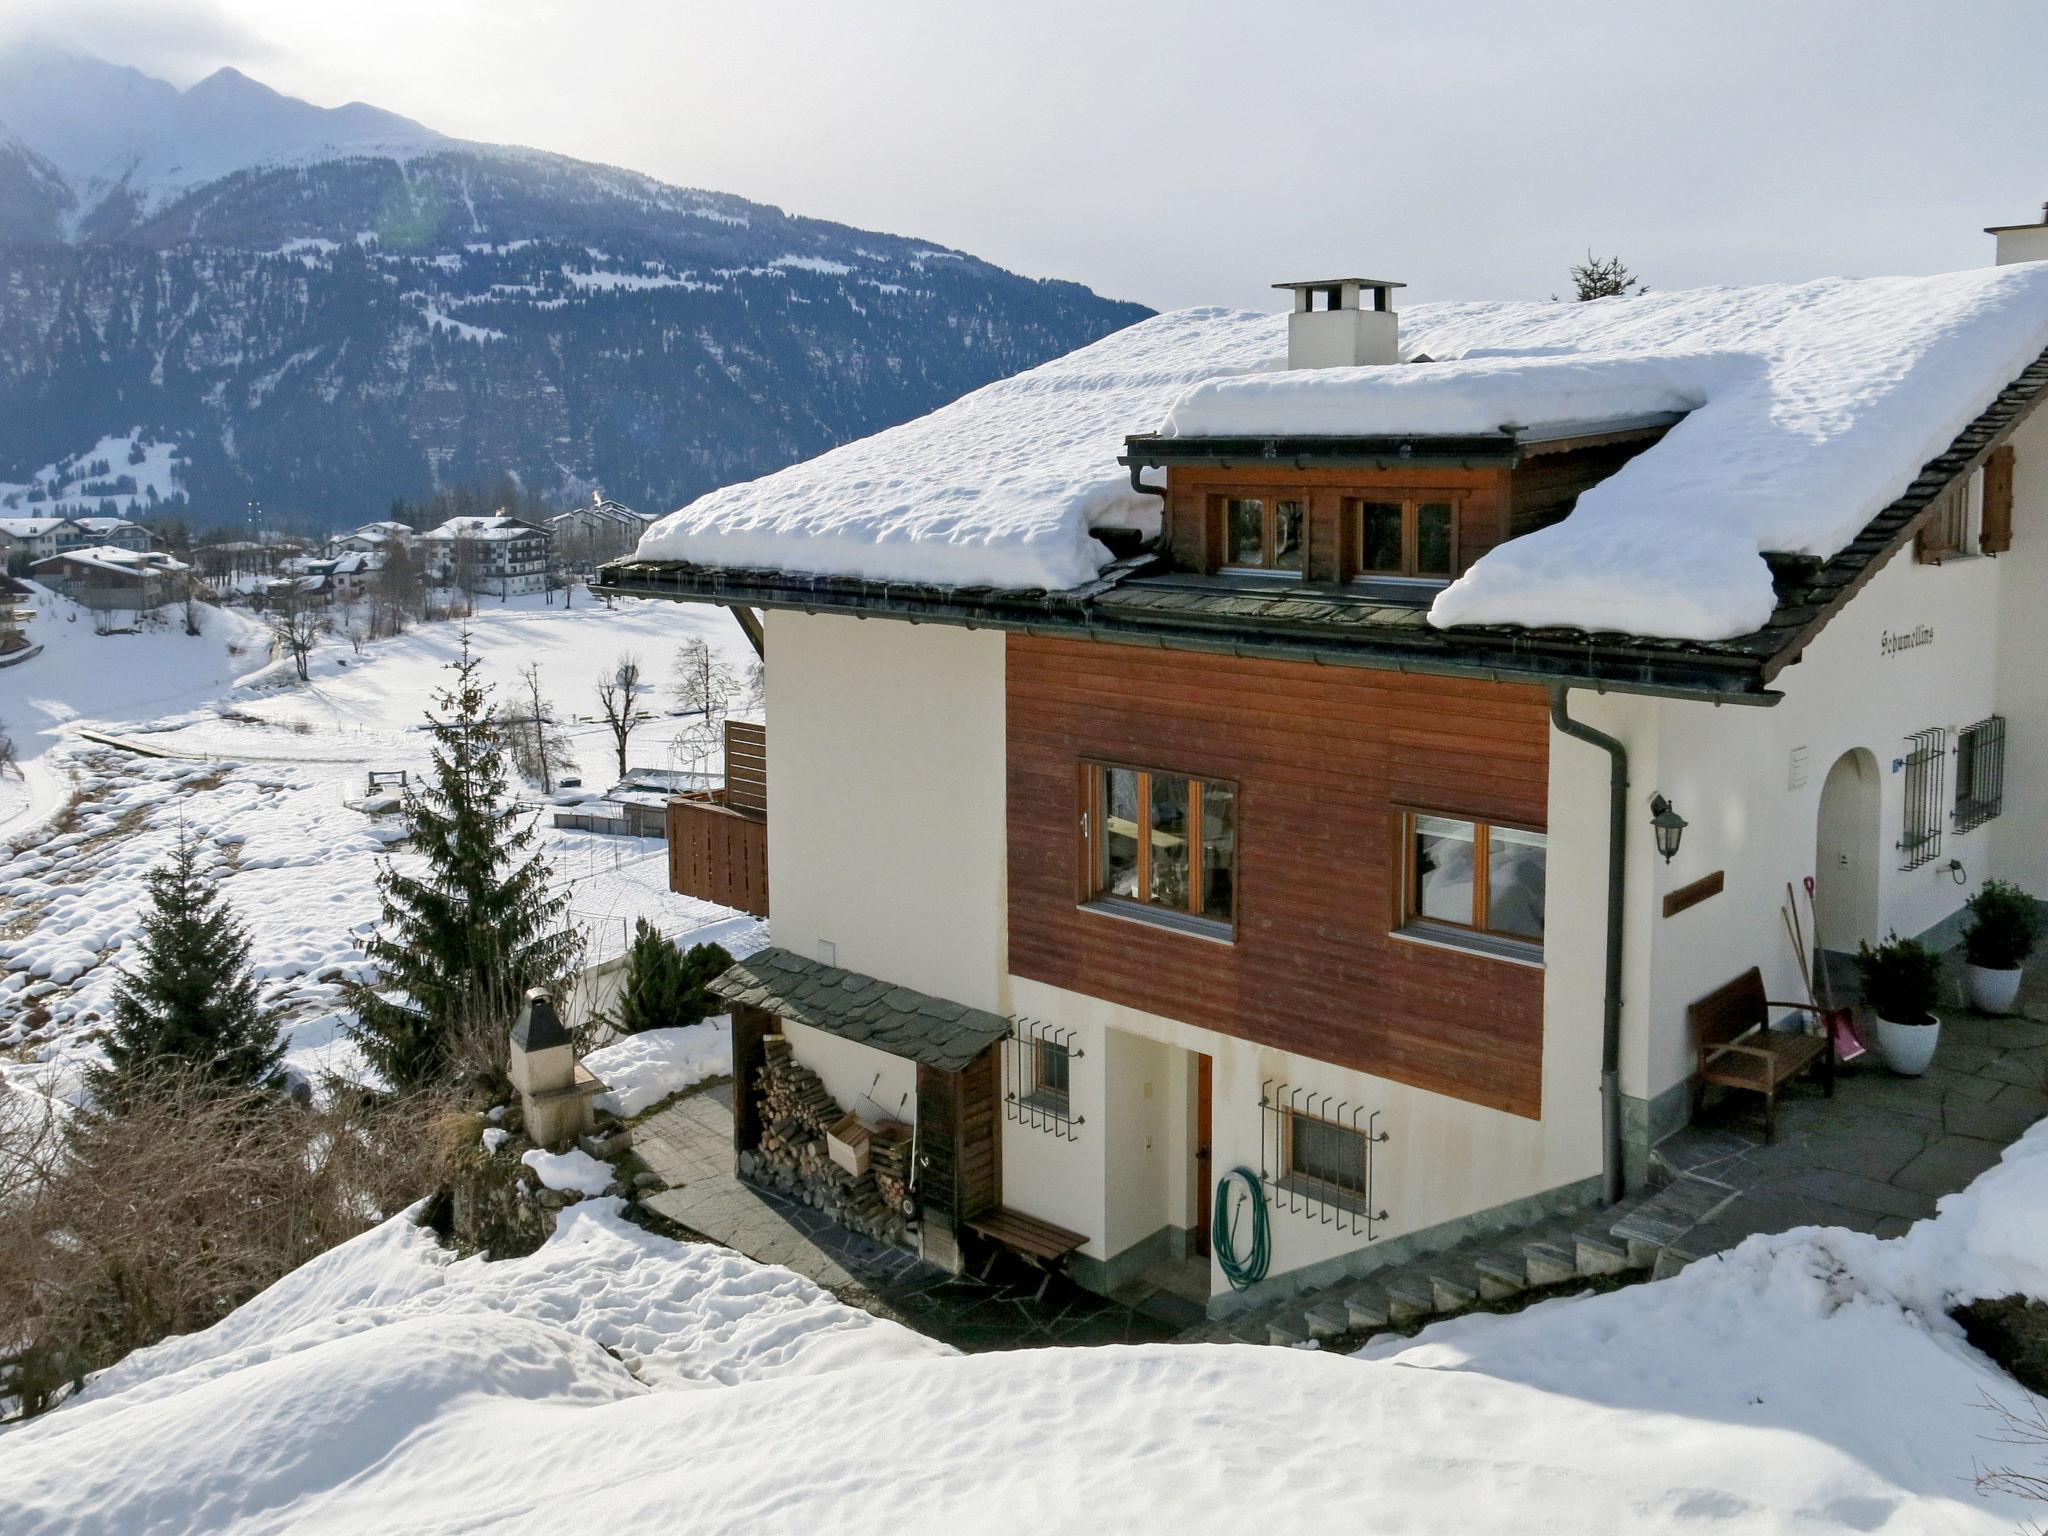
1840, 1022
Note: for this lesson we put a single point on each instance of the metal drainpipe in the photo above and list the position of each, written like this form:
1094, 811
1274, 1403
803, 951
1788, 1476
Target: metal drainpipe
1617, 869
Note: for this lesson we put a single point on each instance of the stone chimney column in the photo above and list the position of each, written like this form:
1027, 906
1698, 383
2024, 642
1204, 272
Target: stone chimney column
555, 1090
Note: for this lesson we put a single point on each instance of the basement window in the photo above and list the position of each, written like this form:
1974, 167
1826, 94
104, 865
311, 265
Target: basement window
1474, 884
1326, 1153
1037, 1073
1161, 846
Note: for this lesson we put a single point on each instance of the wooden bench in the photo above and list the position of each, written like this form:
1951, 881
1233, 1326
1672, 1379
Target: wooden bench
1737, 1048
1038, 1243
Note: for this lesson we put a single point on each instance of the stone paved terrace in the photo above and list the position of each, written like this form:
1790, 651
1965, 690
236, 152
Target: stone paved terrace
1879, 1154
689, 1143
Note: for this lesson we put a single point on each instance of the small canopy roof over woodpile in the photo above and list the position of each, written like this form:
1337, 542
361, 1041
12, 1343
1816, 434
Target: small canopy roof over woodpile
898, 1020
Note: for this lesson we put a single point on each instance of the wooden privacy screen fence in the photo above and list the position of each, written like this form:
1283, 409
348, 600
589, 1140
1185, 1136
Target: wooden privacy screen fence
718, 841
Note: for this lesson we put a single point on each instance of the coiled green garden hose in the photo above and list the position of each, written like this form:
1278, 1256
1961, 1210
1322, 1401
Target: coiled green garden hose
1251, 1269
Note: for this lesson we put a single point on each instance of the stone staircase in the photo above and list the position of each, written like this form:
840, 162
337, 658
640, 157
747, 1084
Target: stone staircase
1645, 1236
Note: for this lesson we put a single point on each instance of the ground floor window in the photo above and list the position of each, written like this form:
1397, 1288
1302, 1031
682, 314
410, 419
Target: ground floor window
1316, 1153
1980, 772
1468, 877
1038, 1063
1163, 844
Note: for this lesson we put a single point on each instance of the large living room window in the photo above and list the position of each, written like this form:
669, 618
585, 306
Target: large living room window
1264, 533
1473, 882
1412, 537
1163, 846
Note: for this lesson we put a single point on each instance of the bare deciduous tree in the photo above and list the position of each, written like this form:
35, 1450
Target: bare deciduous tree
620, 695
296, 623
704, 689
538, 746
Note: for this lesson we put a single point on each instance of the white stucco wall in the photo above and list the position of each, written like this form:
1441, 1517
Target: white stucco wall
885, 793
871, 1083
1127, 1172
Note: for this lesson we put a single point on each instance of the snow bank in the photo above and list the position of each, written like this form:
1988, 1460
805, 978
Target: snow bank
1812, 406
1806, 1382
1000, 488
639, 1071
573, 1172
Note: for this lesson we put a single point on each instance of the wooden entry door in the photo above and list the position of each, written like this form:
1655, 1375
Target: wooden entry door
1205, 1171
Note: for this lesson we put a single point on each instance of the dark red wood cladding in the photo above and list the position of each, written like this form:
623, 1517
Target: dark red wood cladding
1322, 757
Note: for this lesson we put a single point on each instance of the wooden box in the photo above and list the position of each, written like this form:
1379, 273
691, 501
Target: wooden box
846, 1141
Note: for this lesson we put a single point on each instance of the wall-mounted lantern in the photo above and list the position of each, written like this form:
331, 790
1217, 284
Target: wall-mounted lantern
1668, 825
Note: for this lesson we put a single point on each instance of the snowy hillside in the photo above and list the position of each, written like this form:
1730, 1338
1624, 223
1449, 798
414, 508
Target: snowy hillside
1807, 1382
269, 774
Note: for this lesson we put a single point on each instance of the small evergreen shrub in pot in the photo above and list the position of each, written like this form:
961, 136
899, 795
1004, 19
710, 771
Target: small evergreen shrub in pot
2004, 927
1901, 984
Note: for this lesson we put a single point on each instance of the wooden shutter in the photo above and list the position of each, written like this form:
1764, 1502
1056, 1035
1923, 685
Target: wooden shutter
1995, 537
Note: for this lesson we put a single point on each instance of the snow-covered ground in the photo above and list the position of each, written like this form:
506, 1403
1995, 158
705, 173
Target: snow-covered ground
272, 772
1808, 1382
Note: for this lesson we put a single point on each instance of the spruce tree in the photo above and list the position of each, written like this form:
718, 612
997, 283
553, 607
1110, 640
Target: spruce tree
461, 941
666, 988
652, 997
190, 1004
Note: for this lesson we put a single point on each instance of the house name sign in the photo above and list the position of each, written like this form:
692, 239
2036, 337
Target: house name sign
1890, 643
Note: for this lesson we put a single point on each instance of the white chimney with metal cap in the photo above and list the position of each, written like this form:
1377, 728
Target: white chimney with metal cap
1332, 328
2022, 242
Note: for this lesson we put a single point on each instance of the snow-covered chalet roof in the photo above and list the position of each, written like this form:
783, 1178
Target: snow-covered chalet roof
111, 557
1809, 406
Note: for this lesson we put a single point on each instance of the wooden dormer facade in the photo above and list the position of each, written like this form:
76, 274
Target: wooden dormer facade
1331, 512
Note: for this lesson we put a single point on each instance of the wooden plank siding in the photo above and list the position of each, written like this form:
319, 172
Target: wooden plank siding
1324, 758
959, 1140
746, 767
1196, 494
717, 854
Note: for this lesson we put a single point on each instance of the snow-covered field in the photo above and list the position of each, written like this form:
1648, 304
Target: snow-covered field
268, 777
1808, 1382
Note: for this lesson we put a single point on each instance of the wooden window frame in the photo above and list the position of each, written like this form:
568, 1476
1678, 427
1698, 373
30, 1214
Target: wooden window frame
1409, 920
1352, 511
1044, 1094
1269, 520
1094, 821
1295, 1176
1946, 533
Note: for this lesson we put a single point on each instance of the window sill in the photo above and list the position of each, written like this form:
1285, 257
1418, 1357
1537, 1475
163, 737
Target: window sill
1059, 1107
1258, 573
1490, 945
1159, 917
1323, 1192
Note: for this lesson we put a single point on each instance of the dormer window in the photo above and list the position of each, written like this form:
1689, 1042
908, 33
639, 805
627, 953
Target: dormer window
1414, 538
1264, 533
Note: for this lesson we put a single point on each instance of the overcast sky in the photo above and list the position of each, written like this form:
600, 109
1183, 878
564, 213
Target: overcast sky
1195, 153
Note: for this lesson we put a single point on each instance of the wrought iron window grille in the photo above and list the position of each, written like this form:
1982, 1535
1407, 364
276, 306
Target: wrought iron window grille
1980, 772
1926, 756
1343, 1207
1037, 1059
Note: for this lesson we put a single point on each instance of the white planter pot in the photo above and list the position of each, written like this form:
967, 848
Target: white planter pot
1908, 1048
1993, 991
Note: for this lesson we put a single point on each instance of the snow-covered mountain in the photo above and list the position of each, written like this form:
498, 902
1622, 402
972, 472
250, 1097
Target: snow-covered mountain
326, 308
122, 144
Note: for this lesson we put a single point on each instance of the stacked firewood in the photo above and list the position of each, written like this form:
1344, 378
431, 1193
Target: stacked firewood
889, 1164
794, 1110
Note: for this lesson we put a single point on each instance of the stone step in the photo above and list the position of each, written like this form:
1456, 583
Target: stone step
1502, 1273
1286, 1328
1669, 1213
1366, 1305
1410, 1296
1598, 1252
1552, 1261
1327, 1318
1452, 1292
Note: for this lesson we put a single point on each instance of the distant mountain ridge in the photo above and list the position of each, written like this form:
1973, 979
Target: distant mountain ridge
325, 308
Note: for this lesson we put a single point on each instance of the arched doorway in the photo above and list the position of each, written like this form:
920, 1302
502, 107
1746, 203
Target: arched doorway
1846, 853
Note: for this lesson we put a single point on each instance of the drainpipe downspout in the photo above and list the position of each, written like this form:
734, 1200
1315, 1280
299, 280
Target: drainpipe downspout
1617, 869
